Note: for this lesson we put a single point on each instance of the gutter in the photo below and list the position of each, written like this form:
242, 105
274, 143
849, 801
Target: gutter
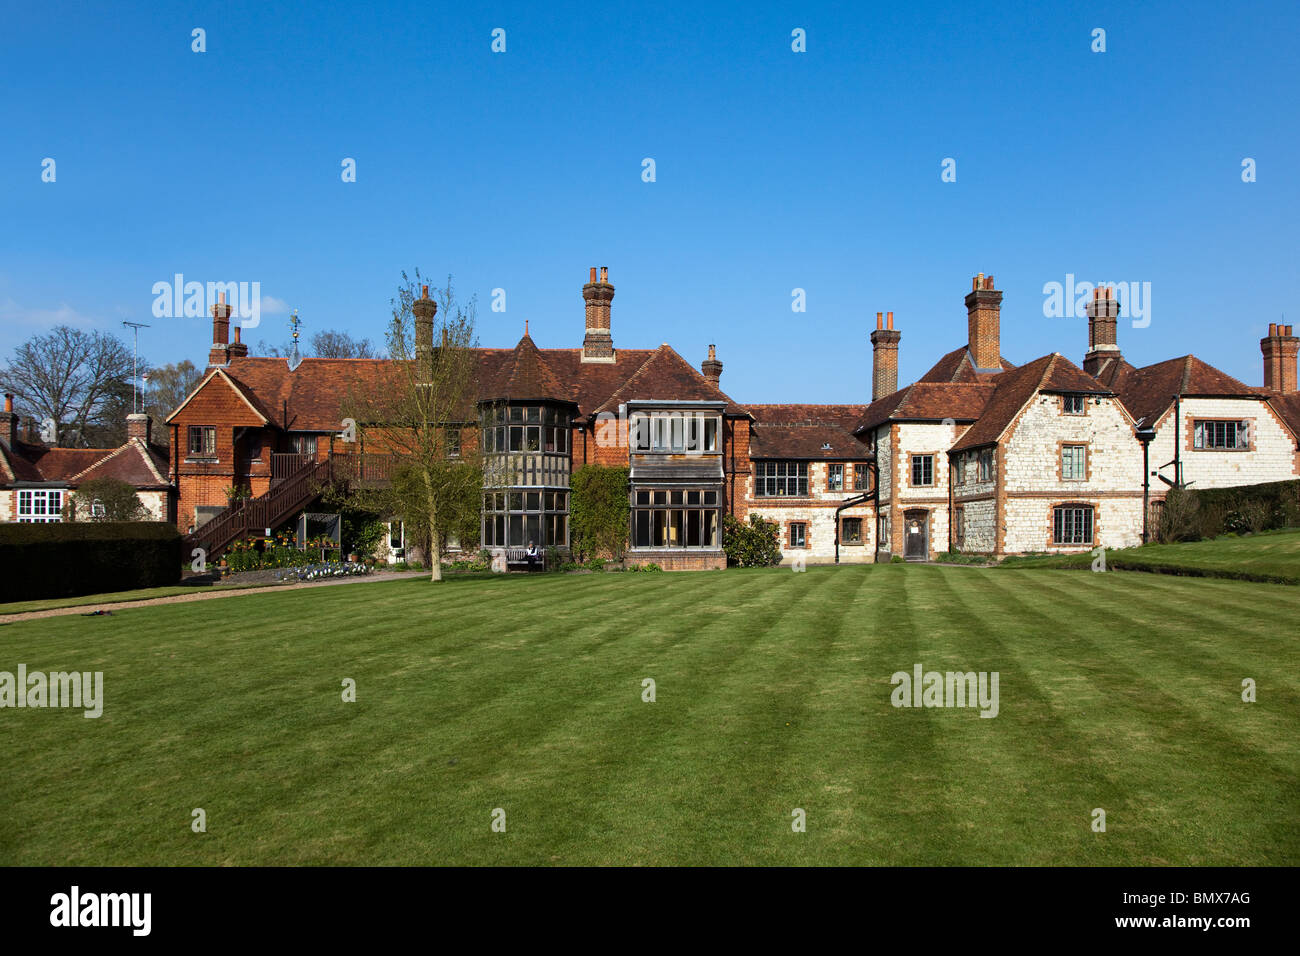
872, 495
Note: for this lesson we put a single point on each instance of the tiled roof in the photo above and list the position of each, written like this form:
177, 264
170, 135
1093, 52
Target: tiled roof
1288, 407
812, 432
930, 401
1147, 392
312, 395
134, 462
957, 366
1051, 373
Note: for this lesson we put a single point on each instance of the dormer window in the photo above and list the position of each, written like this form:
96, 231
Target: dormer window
674, 433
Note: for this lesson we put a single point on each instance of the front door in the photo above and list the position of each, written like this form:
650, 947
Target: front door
916, 535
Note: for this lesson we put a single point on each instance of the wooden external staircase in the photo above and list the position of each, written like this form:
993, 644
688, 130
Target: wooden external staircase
299, 482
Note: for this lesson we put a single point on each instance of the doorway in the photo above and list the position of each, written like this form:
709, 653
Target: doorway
916, 535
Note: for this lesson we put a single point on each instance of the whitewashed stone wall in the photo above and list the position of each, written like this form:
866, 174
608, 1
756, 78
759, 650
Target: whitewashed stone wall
817, 511
925, 439
981, 526
1272, 456
1032, 464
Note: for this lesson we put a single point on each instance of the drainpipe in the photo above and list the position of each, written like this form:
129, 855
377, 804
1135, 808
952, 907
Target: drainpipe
847, 503
1178, 445
950, 502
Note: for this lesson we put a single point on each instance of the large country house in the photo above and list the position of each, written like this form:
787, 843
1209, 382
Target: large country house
978, 455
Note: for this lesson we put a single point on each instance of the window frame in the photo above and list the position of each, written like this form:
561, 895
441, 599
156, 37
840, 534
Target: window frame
1240, 426
1079, 397
1059, 525
845, 540
776, 472
834, 469
920, 459
207, 435
1081, 465
803, 535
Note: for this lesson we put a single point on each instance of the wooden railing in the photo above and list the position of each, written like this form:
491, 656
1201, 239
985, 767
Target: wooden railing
286, 465
266, 511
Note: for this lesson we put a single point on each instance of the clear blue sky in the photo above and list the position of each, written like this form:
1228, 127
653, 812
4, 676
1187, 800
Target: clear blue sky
775, 170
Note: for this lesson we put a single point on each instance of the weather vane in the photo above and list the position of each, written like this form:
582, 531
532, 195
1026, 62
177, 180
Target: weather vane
295, 358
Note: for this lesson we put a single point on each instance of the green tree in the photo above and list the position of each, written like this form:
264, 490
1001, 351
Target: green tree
753, 545
105, 499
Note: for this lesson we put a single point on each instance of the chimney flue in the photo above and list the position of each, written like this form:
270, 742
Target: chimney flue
1279, 348
711, 368
219, 354
425, 309
884, 359
983, 321
598, 343
9, 422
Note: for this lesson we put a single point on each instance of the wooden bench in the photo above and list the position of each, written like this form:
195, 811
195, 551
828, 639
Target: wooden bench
517, 560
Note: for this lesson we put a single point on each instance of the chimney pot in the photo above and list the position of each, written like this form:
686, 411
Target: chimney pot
593, 273
1272, 329
604, 273
880, 320
424, 292
889, 318
9, 402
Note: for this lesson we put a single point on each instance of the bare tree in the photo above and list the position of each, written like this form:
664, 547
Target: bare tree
437, 481
327, 344
332, 344
74, 377
166, 387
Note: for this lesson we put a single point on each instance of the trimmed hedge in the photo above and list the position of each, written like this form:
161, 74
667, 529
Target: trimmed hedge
69, 560
1210, 512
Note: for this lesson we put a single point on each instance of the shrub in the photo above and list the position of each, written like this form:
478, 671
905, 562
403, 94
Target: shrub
599, 511
596, 564
554, 559
897, 559
67, 560
752, 545
1180, 516
650, 567
117, 499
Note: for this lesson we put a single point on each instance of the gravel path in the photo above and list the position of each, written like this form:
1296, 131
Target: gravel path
208, 595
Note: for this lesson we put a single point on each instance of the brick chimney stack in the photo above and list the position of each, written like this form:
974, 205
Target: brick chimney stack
983, 321
598, 344
1103, 320
237, 349
220, 353
1279, 348
711, 367
139, 425
884, 357
425, 309
9, 422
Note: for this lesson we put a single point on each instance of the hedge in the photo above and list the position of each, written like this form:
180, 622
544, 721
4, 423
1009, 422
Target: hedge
69, 560
1210, 512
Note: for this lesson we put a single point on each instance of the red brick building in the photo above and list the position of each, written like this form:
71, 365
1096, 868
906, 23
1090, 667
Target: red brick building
979, 454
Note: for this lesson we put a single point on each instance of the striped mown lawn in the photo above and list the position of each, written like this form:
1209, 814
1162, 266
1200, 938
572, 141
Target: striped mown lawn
1116, 691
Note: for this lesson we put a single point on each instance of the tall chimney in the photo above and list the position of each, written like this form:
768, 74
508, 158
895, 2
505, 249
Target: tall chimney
1279, 348
139, 425
711, 367
598, 344
983, 319
1103, 320
9, 422
425, 309
220, 353
884, 358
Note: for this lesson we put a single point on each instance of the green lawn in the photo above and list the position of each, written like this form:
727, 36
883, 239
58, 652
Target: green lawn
1272, 556
1117, 691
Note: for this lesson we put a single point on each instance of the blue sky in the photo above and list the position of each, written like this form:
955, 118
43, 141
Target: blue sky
775, 170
